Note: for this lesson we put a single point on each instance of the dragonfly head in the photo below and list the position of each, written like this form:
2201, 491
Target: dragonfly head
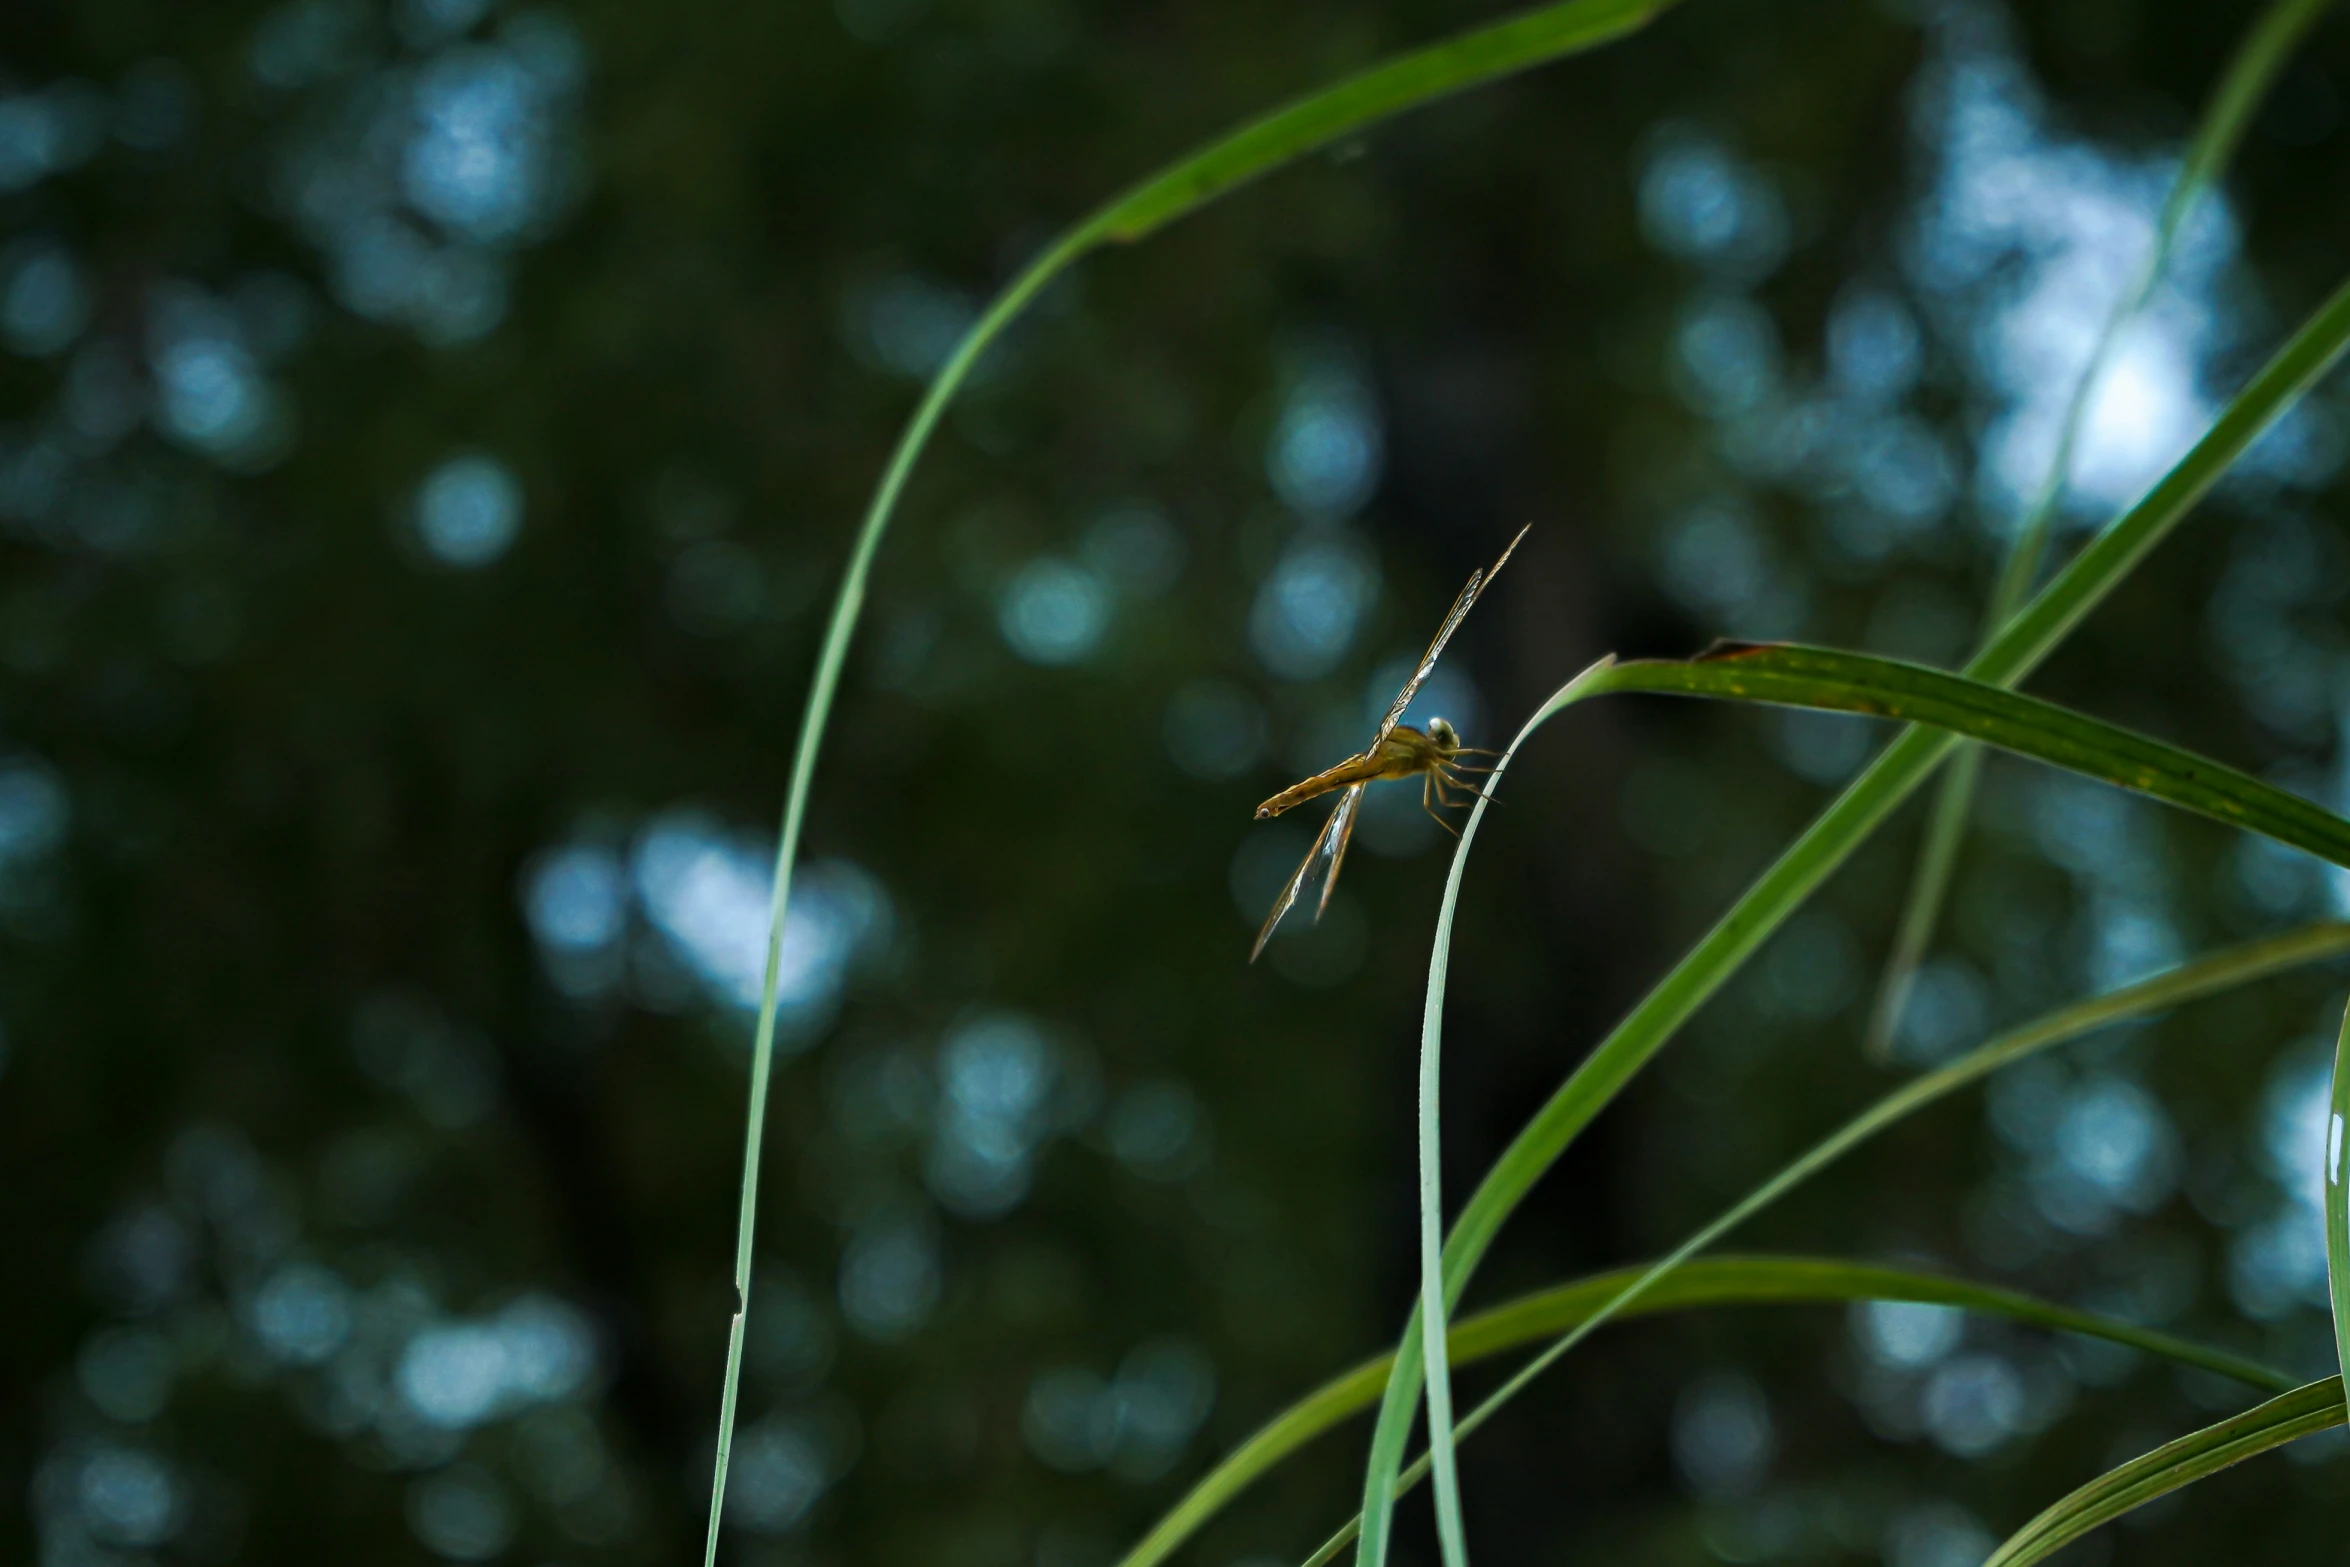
1446, 738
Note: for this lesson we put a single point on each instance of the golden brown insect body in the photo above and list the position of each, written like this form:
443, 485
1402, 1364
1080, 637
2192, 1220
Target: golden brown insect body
1404, 753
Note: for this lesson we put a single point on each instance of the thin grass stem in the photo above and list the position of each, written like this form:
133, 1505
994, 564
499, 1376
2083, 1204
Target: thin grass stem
2337, 1203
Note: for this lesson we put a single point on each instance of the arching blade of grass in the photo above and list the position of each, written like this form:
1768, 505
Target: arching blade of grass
2224, 970
1467, 60
1781, 889
2300, 1413
1789, 675
2249, 74
1921, 911
2338, 1200
1391, 1435
1708, 1281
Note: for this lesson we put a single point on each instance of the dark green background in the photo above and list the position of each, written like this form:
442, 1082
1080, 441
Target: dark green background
303, 769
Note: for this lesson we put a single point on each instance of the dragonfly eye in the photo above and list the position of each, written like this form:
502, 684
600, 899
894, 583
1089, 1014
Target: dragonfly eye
1444, 734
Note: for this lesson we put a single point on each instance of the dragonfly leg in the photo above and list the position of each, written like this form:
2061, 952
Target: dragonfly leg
1464, 784
1430, 781
1446, 783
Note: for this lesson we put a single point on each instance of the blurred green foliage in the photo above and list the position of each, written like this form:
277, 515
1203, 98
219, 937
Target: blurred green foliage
373, 881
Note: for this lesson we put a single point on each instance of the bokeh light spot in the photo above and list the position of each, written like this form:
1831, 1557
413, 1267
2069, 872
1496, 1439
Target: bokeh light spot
302, 1315
129, 1497
1723, 1438
1907, 1334
468, 510
1327, 446
889, 1277
576, 898
776, 1475
44, 302
1214, 730
1308, 611
1053, 612
462, 1514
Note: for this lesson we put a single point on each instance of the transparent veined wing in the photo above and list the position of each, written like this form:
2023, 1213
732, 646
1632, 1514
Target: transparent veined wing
1329, 849
1341, 830
1459, 612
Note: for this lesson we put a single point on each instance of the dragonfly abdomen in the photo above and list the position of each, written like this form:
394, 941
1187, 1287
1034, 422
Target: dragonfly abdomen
1354, 770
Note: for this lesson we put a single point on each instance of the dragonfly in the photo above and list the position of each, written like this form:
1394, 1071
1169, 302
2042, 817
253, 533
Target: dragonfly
1397, 750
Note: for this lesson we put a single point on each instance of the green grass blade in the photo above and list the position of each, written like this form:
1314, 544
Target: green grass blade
2181, 1463
2299, 1413
1921, 911
2242, 86
2219, 971
1790, 675
1781, 889
1757, 1281
1705, 1282
1468, 60
2338, 1199
1424, 1338
1451, 1537
839, 631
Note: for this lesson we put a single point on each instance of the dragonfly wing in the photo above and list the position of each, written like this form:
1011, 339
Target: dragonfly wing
1341, 832
1452, 621
1327, 847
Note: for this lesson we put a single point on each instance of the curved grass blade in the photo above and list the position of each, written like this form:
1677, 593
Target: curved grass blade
1424, 1340
1467, 60
2338, 1200
2300, 1413
1707, 1281
1791, 675
1451, 1537
1921, 911
2224, 970
2019, 647
1433, 1305
2246, 81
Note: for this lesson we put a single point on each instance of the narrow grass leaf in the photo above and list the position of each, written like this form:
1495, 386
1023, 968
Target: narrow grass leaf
1457, 64
1921, 911
1705, 1282
2302, 1412
2338, 1201
2205, 976
2029, 637
1469, 59
2242, 86
1451, 1536
1386, 1457
1791, 675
